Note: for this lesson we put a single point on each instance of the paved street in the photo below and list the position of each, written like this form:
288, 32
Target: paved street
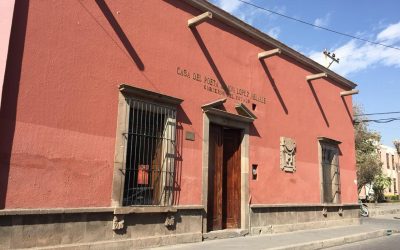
390, 221
383, 223
391, 242
385, 243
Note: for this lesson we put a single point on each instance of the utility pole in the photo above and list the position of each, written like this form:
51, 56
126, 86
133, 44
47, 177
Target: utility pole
331, 56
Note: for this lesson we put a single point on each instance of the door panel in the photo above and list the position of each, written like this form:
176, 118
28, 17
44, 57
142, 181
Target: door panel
327, 182
330, 173
231, 215
223, 208
214, 218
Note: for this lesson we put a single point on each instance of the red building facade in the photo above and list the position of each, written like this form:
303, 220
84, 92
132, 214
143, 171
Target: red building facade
119, 116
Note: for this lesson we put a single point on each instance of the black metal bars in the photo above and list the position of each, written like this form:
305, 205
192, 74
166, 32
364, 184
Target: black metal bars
150, 154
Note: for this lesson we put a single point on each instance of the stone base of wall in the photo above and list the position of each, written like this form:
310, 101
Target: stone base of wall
155, 241
84, 228
288, 218
141, 227
270, 229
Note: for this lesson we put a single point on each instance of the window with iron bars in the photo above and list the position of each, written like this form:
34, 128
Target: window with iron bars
330, 173
150, 154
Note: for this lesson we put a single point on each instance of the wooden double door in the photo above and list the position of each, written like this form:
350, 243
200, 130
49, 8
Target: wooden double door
223, 209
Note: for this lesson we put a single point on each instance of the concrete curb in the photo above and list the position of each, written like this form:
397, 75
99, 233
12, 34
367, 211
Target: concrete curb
336, 241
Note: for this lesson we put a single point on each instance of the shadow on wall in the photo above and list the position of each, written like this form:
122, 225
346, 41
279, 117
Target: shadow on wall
182, 118
318, 103
178, 163
9, 99
274, 87
118, 30
347, 109
253, 131
183, 6
207, 54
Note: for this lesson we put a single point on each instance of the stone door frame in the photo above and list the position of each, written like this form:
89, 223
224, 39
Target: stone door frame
238, 122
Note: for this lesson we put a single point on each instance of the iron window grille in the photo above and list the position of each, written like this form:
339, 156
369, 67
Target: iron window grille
150, 145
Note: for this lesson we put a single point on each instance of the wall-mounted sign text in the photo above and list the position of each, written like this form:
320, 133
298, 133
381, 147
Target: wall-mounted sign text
212, 85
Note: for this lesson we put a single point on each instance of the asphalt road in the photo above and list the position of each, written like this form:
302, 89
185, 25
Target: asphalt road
384, 243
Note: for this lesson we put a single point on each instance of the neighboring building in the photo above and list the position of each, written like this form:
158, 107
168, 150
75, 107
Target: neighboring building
390, 168
122, 126
6, 8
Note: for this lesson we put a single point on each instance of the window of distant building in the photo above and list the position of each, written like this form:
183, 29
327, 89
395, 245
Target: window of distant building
393, 167
387, 161
394, 185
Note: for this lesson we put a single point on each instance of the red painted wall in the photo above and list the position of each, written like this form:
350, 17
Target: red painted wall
60, 101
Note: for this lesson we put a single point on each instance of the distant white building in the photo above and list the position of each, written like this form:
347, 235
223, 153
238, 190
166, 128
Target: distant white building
390, 167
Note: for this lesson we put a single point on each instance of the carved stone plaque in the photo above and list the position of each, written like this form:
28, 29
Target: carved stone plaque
288, 154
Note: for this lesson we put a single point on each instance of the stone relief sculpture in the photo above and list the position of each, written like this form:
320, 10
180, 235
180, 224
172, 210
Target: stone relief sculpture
118, 223
288, 154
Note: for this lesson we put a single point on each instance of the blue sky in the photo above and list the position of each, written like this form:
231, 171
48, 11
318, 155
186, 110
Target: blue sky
375, 69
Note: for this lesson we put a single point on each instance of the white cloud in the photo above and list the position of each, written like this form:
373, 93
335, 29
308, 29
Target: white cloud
274, 32
229, 5
299, 48
323, 21
252, 15
245, 12
356, 56
391, 33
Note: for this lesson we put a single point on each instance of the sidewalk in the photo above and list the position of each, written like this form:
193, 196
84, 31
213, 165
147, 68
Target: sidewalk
383, 208
308, 239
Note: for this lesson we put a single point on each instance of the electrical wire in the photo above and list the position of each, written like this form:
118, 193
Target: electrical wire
319, 27
382, 113
383, 120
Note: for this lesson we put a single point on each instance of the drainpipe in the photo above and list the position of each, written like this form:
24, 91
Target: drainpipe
6, 15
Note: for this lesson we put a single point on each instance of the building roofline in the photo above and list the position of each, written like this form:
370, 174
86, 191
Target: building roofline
249, 30
387, 147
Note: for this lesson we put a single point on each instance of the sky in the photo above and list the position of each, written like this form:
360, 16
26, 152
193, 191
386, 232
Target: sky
376, 69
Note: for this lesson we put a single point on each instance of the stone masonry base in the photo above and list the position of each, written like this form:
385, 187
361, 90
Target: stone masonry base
287, 218
80, 228
141, 227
